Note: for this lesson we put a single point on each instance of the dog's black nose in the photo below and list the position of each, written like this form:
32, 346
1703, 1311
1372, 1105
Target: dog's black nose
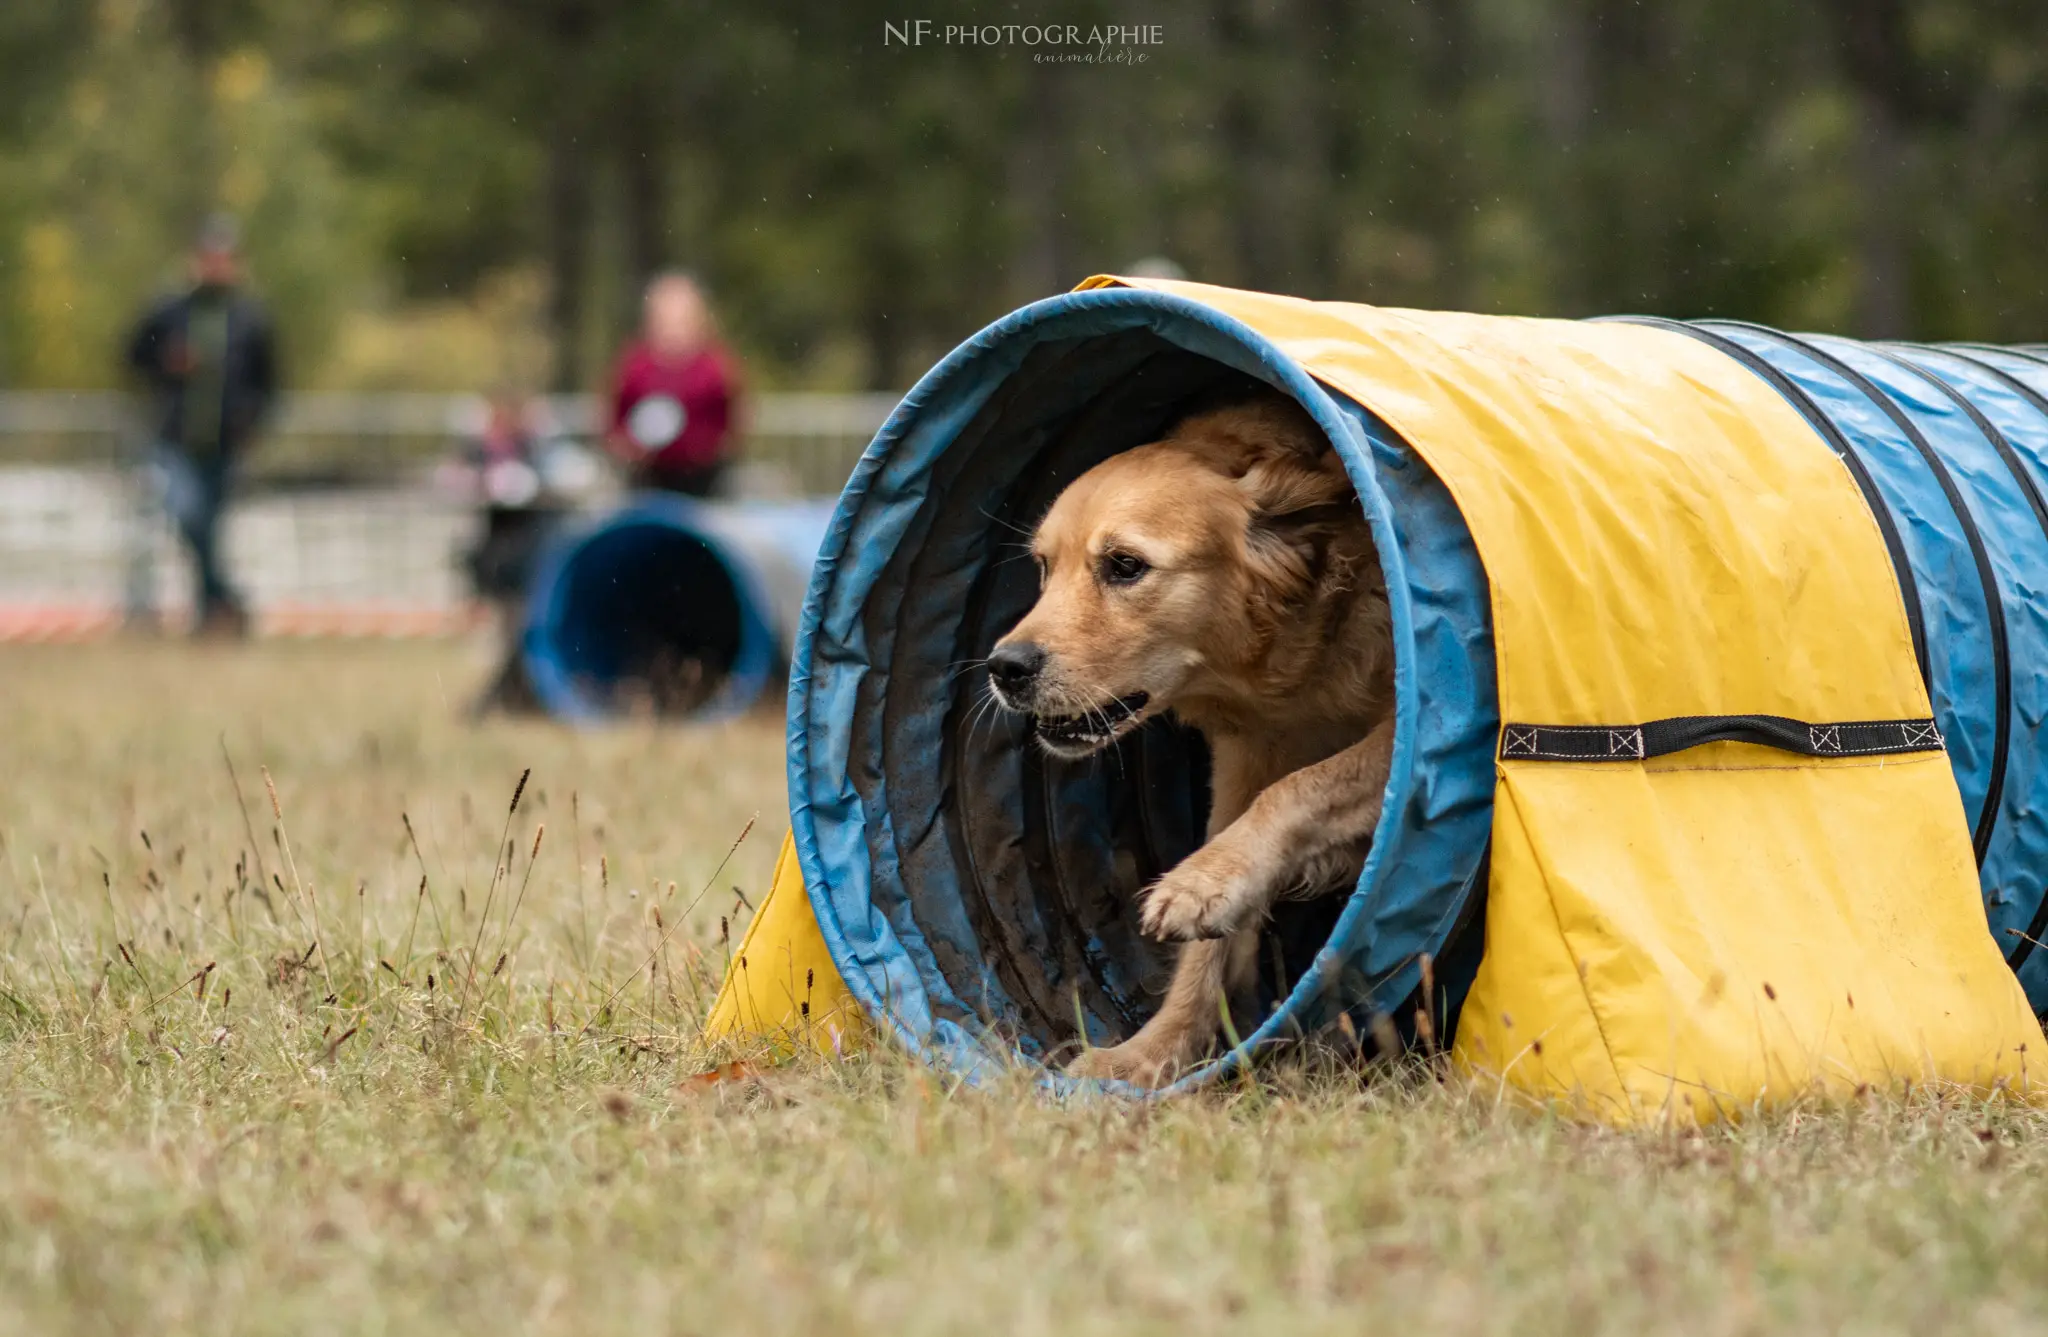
1013, 667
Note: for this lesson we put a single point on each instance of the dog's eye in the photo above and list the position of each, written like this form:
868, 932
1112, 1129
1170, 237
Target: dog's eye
1123, 568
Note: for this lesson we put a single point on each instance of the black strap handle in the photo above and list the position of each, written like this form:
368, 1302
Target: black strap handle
1634, 742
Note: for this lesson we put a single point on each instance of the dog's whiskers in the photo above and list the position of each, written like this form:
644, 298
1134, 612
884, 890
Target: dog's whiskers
960, 666
1010, 525
1117, 754
986, 712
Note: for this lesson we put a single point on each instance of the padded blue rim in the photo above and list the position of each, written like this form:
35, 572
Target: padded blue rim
540, 639
1197, 329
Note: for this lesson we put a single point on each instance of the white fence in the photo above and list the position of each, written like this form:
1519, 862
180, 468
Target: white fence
809, 441
338, 531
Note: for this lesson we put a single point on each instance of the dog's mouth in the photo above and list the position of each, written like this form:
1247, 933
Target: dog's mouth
1090, 731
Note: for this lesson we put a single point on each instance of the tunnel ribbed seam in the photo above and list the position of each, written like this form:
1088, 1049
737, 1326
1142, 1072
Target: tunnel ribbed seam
2024, 352
2031, 490
1987, 578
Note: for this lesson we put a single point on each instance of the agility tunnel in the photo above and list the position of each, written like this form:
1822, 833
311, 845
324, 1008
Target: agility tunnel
669, 607
1719, 705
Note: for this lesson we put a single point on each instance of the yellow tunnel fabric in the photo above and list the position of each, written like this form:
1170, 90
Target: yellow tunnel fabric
782, 988
1694, 934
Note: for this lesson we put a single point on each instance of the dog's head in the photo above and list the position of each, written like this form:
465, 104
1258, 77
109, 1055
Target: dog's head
1166, 570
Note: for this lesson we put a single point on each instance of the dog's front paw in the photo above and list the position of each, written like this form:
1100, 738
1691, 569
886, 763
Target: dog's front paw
1202, 897
1140, 1065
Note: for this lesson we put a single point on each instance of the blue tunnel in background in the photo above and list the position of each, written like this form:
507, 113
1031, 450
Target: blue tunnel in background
980, 898
669, 607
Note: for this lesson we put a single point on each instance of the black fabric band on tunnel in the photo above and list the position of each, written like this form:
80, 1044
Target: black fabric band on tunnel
1657, 738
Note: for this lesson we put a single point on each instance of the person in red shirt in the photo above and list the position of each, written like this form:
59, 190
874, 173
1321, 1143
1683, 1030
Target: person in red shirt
675, 394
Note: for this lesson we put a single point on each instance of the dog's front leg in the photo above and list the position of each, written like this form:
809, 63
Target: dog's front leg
1180, 1031
1303, 829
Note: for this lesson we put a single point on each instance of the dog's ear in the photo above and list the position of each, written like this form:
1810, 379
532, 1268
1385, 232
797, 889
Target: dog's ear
1299, 495
1271, 447
1297, 509
1293, 482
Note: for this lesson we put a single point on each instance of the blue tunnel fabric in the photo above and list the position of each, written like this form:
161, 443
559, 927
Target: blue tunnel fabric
979, 900
2016, 415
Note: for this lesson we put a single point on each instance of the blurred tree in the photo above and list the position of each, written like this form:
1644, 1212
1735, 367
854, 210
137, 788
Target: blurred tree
40, 45
859, 204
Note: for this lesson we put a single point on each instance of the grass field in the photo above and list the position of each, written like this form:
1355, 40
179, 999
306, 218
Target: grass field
341, 1127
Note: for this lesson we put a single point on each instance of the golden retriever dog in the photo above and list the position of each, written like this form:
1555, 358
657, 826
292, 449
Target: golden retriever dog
1225, 573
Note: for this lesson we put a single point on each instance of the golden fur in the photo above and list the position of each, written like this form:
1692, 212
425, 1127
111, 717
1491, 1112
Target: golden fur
1225, 573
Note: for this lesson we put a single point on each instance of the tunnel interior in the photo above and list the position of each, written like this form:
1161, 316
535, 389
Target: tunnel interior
1054, 874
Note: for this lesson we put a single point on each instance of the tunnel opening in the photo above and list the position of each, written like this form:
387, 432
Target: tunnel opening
643, 616
982, 898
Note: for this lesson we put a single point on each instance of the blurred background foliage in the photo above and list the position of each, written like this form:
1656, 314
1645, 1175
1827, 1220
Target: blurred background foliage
465, 193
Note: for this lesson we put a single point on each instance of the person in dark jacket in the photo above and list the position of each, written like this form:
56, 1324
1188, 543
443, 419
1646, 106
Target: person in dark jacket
209, 360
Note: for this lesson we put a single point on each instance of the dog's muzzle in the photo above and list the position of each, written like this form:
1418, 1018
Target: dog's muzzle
1091, 730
